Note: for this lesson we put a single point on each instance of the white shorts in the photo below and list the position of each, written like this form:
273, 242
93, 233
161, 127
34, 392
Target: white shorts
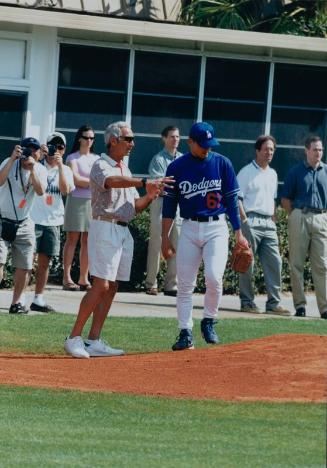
110, 249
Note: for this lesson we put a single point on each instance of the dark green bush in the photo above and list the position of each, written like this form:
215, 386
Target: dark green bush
140, 230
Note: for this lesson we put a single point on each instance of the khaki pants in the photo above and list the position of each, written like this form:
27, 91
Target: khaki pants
308, 235
154, 249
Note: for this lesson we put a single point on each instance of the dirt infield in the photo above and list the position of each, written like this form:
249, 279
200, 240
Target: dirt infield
276, 368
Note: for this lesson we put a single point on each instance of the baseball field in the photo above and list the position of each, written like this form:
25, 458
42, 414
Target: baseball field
256, 400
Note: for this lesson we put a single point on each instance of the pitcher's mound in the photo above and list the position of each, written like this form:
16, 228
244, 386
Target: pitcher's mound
276, 368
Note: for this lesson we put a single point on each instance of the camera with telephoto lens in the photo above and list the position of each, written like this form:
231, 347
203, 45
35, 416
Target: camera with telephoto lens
51, 150
26, 152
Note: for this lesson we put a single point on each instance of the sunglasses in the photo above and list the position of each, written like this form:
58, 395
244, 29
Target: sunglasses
128, 139
87, 137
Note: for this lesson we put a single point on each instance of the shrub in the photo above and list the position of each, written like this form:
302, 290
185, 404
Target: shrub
139, 228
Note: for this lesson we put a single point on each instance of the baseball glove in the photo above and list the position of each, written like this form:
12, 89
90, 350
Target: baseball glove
241, 258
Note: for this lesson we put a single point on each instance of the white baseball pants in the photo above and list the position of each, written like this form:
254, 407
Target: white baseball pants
207, 241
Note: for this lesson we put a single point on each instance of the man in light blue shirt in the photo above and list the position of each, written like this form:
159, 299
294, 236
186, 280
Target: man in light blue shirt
157, 168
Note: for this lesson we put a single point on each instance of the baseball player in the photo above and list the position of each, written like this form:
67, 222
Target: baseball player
205, 189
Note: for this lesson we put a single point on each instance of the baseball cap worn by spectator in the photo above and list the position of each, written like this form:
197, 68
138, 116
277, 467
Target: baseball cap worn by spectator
30, 142
56, 137
203, 134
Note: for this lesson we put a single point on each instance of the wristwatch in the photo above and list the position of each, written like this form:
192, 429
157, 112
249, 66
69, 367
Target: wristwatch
144, 180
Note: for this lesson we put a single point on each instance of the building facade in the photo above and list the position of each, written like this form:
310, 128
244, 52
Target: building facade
60, 69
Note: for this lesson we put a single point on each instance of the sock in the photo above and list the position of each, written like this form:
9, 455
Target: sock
22, 299
39, 300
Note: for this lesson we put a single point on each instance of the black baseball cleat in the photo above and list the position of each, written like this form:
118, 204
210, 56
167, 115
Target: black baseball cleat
208, 331
46, 308
324, 315
172, 293
300, 312
184, 340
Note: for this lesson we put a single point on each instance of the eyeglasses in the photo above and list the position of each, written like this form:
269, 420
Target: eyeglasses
87, 137
128, 139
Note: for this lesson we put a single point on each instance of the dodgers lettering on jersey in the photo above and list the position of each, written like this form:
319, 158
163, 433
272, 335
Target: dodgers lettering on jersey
203, 187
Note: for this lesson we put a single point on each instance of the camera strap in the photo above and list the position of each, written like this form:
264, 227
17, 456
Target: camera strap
12, 198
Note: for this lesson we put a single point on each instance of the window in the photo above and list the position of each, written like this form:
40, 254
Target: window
235, 104
165, 93
299, 105
92, 88
12, 110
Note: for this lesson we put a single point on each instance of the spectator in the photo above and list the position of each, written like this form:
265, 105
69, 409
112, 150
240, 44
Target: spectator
305, 200
258, 185
21, 177
157, 168
48, 214
78, 208
114, 203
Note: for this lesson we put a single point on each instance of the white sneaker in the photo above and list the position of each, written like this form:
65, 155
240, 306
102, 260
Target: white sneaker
98, 348
75, 347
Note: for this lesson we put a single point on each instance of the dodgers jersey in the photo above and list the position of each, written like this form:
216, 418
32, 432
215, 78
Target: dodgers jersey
203, 187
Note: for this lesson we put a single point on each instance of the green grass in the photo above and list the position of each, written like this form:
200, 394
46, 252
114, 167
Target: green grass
46, 334
64, 428
48, 428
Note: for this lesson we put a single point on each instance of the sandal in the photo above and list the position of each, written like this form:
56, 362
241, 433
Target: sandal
70, 287
84, 287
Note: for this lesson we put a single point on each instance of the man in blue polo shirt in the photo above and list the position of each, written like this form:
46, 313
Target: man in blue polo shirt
305, 200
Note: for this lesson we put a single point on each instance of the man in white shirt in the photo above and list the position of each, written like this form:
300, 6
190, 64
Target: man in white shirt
258, 185
21, 177
48, 214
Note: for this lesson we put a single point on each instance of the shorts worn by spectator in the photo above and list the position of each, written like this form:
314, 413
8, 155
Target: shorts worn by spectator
48, 214
21, 177
114, 198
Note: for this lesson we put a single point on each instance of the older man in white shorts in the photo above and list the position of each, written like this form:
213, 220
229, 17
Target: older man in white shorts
115, 201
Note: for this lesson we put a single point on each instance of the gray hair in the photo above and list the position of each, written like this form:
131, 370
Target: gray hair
114, 130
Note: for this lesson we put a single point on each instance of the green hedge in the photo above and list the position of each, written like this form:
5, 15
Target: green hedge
140, 230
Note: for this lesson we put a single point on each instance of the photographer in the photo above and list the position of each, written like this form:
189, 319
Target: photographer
21, 177
48, 213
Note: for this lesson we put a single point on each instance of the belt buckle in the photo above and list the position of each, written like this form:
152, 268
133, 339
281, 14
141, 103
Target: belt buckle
210, 219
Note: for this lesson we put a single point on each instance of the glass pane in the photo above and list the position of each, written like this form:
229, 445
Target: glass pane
92, 67
74, 108
235, 120
236, 79
152, 114
6, 147
145, 149
300, 85
12, 107
292, 126
284, 159
166, 73
239, 153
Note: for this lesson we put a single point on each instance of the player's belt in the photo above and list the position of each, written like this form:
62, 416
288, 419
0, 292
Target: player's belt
110, 220
204, 219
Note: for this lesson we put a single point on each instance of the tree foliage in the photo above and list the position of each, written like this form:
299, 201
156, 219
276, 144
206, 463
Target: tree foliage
299, 17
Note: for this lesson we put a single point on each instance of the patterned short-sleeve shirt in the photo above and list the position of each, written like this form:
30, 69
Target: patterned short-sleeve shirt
116, 203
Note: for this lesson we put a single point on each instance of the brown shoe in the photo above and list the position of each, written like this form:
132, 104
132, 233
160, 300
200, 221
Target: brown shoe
70, 287
279, 310
152, 291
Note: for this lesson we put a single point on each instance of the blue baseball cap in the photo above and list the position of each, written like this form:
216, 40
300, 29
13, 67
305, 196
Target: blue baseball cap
203, 134
30, 142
